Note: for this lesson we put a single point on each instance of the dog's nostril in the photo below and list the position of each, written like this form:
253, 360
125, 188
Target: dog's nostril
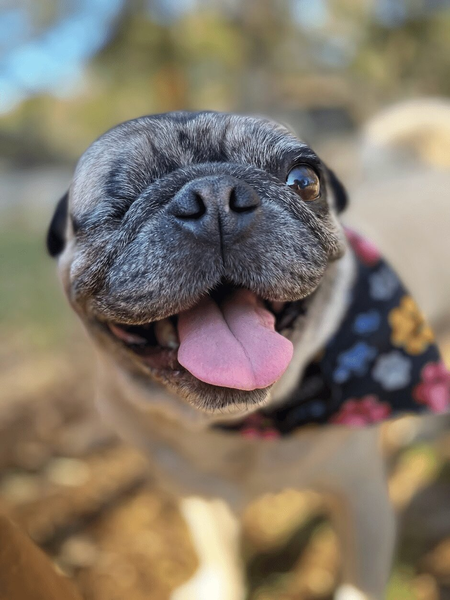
211, 205
243, 200
190, 206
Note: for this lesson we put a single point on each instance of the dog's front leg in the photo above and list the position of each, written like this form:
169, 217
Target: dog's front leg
215, 534
365, 522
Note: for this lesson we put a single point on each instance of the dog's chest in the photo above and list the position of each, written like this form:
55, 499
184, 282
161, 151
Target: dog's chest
213, 463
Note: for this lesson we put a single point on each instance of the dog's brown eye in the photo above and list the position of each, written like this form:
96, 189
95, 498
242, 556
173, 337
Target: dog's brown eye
305, 181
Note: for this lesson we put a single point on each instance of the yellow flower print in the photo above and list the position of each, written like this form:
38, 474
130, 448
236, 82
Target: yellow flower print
409, 328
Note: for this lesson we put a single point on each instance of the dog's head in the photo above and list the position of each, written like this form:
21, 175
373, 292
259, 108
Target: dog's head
188, 241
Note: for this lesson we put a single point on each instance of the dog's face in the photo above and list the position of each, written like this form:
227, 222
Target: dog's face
189, 241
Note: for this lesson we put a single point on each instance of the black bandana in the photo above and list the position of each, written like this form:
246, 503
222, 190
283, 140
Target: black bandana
382, 361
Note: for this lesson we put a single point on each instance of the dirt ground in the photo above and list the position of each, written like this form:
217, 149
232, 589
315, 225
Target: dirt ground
87, 499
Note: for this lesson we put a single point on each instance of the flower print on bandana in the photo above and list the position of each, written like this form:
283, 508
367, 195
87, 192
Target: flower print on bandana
383, 284
367, 322
392, 371
309, 411
355, 361
409, 328
359, 412
257, 425
367, 252
434, 389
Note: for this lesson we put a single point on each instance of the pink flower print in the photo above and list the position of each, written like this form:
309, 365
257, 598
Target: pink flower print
434, 389
258, 426
363, 248
359, 412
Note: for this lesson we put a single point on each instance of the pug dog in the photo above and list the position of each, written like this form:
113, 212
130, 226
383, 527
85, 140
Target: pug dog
204, 255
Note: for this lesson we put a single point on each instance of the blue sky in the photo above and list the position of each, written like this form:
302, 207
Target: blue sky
36, 60
50, 60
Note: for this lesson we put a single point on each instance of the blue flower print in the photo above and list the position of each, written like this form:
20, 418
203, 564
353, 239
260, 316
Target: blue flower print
392, 371
317, 408
310, 410
367, 322
355, 360
383, 284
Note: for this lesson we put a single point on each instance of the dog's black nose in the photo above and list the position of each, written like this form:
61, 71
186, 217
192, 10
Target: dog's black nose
214, 206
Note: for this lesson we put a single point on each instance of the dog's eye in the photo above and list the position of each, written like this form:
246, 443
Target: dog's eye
305, 181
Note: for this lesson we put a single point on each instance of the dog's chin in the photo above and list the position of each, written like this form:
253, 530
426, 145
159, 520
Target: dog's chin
150, 352
213, 399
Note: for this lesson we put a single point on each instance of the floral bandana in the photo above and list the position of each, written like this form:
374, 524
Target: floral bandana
382, 362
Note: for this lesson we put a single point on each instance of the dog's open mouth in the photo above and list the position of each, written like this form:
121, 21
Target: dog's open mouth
231, 338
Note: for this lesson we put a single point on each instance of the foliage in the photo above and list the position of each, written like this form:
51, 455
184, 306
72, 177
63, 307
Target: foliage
263, 56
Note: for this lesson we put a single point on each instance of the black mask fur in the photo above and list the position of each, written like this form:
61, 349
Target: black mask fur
130, 261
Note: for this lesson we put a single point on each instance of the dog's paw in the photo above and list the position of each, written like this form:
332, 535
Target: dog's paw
206, 584
348, 592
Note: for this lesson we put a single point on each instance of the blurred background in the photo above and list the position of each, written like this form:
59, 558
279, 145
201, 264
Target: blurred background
367, 84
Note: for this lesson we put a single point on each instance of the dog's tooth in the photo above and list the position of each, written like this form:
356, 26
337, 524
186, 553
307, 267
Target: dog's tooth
126, 336
166, 334
277, 306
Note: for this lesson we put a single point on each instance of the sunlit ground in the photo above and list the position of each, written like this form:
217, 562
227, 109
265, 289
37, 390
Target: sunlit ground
87, 498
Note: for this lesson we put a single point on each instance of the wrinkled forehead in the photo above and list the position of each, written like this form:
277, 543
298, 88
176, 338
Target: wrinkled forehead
159, 144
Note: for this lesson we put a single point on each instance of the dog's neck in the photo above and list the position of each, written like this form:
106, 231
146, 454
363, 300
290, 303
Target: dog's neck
325, 313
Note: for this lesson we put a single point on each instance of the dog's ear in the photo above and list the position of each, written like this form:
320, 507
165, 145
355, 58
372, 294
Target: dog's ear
339, 191
56, 235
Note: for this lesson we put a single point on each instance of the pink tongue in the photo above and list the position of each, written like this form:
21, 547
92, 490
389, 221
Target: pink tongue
233, 346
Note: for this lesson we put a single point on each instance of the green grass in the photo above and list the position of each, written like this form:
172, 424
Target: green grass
32, 304
399, 587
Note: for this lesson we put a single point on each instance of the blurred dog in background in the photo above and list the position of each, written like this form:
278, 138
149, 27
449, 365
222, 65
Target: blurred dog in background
403, 153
